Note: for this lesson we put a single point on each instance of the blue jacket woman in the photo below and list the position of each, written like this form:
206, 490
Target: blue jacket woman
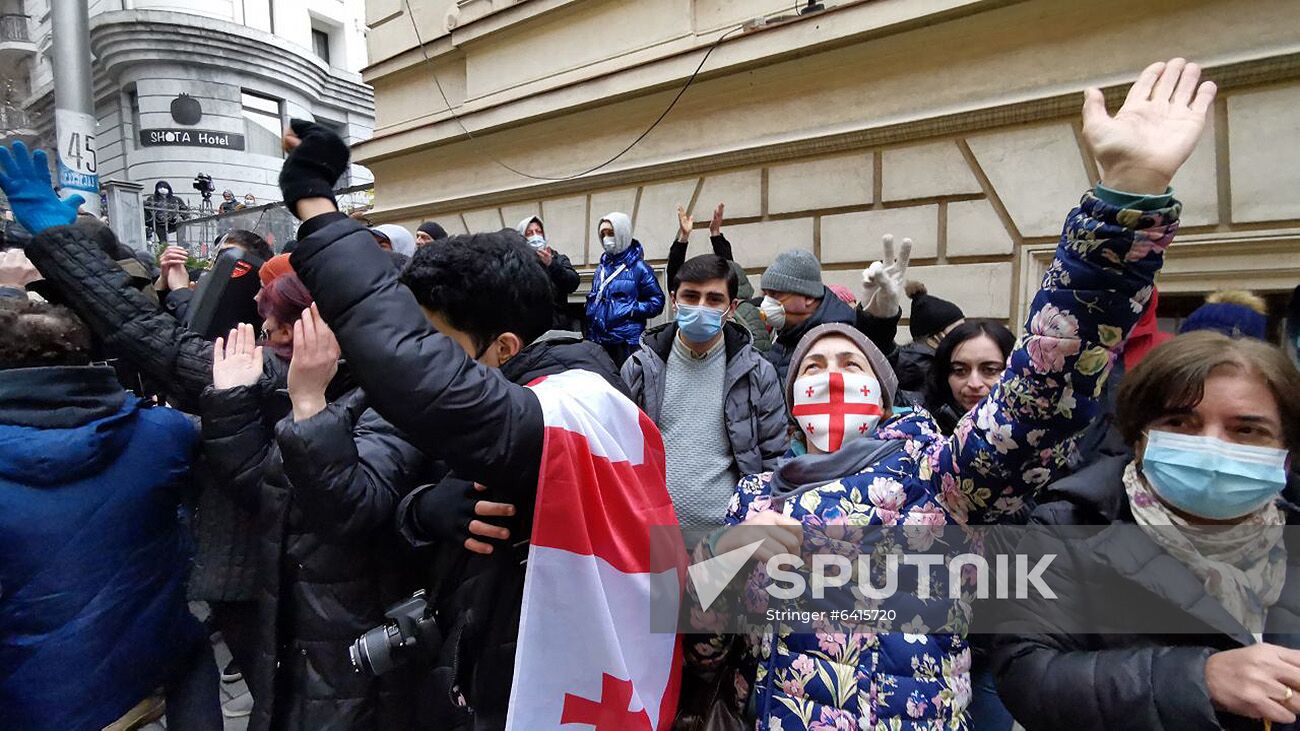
625, 292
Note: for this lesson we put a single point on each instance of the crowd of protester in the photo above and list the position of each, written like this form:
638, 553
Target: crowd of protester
387, 422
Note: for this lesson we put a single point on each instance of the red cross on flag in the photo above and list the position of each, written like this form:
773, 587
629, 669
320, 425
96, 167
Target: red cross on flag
587, 656
833, 407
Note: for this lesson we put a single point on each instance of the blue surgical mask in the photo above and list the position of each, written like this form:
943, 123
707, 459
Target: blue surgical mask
1211, 478
537, 242
699, 324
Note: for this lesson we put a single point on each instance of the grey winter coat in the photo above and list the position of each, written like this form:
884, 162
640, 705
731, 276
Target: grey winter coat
754, 410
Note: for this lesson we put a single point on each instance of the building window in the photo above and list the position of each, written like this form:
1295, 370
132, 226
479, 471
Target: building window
263, 124
320, 43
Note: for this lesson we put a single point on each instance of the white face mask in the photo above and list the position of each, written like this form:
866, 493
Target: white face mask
537, 242
610, 244
772, 312
833, 408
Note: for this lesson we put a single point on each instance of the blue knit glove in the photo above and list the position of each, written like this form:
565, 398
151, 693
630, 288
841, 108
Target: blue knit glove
26, 180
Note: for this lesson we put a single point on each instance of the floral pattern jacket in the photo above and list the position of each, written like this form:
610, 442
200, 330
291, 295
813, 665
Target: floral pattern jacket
1015, 441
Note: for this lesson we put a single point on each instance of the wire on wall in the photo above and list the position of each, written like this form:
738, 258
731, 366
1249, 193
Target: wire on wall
470, 135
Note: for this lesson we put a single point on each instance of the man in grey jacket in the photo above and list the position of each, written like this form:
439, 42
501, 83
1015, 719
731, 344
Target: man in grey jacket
717, 402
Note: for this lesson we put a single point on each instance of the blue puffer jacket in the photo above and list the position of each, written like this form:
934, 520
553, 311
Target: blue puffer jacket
1012, 443
92, 553
625, 292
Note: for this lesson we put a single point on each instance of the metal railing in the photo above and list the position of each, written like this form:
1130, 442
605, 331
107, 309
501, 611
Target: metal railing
271, 221
13, 27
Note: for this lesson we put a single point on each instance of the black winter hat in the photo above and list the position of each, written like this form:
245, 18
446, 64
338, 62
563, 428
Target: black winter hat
930, 314
435, 231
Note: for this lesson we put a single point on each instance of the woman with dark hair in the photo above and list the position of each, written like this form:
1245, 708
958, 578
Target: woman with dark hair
967, 364
1182, 610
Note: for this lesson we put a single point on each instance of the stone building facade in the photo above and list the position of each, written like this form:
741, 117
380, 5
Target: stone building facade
189, 86
954, 122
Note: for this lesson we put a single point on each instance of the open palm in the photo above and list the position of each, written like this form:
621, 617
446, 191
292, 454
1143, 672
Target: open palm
1154, 132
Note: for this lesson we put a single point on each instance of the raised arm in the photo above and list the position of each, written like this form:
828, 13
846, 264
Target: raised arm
1020, 436
488, 429
96, 288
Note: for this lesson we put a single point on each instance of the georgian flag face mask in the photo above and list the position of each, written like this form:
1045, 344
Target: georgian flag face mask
832, 408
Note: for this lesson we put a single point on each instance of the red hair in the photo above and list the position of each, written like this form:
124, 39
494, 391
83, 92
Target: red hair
283, 299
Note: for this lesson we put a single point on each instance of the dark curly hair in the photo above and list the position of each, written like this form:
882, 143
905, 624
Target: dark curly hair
38, 334
485, 284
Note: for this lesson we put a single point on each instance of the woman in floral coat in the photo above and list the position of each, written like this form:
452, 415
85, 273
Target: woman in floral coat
1013, 442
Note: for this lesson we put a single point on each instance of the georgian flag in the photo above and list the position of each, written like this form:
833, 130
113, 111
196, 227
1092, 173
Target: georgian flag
586, 655
833, 407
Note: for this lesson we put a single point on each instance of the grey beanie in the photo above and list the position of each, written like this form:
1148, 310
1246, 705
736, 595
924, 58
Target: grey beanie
879, 363
795, 271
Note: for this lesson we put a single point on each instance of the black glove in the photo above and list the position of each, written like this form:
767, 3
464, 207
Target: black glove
315, 165
443, 513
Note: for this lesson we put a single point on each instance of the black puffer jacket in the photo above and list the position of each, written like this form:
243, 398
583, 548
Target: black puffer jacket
325, 490
478, 598
171, 358
1052, 676
487, 427
913, 367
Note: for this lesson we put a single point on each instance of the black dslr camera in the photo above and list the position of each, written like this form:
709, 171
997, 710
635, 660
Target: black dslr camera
382, 648
203, 184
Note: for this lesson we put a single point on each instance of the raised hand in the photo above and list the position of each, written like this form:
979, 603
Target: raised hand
684, 224
317, 159
237, 360
883, 281
315, 361
172, 262
16, 270
1154, 132
715, 226
26, 181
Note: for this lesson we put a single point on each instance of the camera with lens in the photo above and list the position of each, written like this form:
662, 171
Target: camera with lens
381, 649
203, 184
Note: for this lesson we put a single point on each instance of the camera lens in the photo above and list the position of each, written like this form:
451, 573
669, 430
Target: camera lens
372, 653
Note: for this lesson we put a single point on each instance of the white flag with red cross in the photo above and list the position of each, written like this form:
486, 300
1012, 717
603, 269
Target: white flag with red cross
586, 655
831, 407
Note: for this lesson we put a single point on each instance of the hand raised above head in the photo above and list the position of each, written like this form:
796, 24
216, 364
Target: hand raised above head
1154, 132
26, 181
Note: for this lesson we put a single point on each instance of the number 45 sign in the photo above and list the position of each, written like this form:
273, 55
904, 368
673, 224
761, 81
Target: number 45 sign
76, 153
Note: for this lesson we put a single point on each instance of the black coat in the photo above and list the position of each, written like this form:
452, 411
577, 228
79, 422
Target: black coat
1051, 677
170, 358
325, 491
564, 280
481, 422
913, 367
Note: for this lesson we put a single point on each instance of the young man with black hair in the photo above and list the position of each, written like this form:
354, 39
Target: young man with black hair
532, 634
93, 558
716, 400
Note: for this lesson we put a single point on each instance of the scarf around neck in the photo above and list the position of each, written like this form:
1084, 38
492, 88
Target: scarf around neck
1243, 566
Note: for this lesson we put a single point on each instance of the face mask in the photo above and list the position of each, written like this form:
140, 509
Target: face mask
772, 312
537, 242
832, 408
165, 191
1212, 478
610, 244
699, 324
249, 201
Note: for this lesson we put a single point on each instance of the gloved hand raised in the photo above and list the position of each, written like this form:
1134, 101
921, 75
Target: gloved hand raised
317, 159
883, 281
26, 180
